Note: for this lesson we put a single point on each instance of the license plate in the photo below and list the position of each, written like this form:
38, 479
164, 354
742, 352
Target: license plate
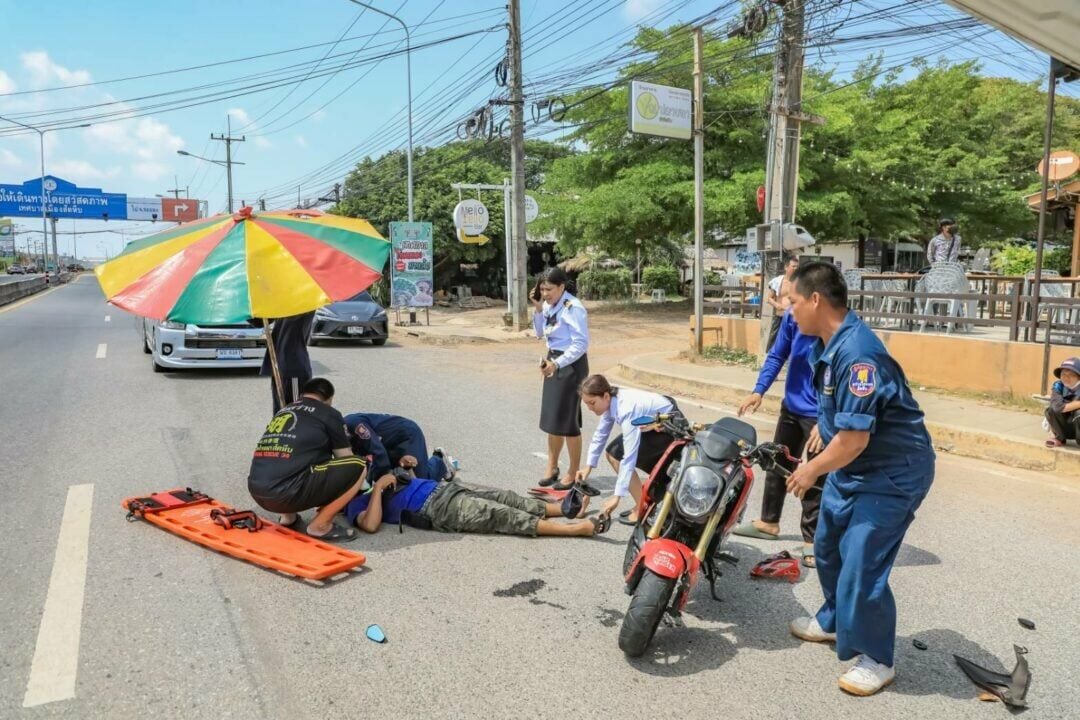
230, 354
352, 330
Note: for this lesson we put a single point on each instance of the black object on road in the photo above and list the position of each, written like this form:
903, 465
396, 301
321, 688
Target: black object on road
1026, 623
919, 644
1011, 689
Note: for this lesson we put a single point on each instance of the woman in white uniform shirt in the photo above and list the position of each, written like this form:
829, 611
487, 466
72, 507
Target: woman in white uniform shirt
561, 320
636, 449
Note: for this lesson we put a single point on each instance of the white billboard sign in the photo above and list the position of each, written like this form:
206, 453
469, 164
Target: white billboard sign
660, 110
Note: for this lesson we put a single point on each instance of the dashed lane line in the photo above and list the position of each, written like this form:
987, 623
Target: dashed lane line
56, 655
102, 348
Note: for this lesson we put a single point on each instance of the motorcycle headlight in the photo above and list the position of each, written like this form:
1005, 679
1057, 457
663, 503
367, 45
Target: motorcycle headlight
170, 325
698, 490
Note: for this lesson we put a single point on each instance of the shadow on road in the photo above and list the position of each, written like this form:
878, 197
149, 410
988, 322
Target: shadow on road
680, 652
911, 556
934, 671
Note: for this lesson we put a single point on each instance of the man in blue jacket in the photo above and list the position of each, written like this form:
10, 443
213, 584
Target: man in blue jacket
393, 441
796, 428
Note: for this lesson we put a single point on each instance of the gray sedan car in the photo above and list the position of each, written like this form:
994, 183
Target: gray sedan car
358, 318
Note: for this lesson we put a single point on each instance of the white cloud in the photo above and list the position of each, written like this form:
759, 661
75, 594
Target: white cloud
80, 172
635, 10
301, 141
7, 85
43, 70
150, 170
9, 160
319, 115
262, 143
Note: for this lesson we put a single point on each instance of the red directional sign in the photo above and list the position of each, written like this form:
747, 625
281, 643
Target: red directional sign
179, 210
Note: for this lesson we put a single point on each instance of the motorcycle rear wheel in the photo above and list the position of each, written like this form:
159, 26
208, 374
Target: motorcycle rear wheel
647, 606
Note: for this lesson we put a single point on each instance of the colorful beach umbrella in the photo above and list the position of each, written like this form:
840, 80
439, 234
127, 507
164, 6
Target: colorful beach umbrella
230, 268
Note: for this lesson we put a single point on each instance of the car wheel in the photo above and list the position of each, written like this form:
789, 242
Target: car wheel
379, 342
157, 368
146, 346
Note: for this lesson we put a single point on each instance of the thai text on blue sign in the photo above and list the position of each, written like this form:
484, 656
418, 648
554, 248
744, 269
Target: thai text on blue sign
63, 199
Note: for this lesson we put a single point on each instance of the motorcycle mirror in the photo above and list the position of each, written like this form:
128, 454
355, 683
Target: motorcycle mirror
643, 421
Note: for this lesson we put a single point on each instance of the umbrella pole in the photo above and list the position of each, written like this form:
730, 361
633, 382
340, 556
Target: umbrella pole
278, 388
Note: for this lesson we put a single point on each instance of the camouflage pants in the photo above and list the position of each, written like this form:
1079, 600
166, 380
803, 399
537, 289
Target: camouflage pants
454, 507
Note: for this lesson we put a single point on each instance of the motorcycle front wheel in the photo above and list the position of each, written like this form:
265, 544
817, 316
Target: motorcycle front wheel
647, 606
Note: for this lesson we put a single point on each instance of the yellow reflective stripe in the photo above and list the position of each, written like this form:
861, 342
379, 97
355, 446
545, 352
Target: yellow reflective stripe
277, 282
336, 462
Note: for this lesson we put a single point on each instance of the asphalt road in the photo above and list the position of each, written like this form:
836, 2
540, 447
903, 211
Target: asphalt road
477, 626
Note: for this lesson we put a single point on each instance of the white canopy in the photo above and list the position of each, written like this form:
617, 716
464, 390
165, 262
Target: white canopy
1052, 26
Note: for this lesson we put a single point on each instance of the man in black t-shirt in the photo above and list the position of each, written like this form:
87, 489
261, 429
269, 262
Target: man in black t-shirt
304, 460
290, 336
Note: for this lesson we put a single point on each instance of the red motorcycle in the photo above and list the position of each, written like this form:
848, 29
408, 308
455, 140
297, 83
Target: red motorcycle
691, 501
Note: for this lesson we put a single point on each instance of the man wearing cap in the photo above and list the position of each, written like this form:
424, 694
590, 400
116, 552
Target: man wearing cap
454, 507
1062, 416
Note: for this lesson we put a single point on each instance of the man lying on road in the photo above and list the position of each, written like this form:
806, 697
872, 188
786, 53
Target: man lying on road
393, 441
453, 507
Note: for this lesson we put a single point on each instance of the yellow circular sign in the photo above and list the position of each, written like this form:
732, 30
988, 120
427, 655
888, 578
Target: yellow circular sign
648, 106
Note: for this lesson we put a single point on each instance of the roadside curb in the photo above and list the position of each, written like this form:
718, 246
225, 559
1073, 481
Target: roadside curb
951, 439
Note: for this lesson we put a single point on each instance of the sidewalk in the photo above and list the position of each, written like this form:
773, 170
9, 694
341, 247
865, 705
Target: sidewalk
958, 426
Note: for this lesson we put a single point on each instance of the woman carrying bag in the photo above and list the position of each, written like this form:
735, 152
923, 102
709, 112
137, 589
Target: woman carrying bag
561, 320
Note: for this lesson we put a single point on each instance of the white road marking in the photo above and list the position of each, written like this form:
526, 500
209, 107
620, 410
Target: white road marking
101, 350
56, 656
541, 455
108, 318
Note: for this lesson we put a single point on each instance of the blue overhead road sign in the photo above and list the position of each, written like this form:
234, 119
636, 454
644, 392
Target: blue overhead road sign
63, 200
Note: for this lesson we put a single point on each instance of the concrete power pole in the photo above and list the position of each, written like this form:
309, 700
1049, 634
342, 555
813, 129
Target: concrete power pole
699, 191
782, 180
228, 139
518, 287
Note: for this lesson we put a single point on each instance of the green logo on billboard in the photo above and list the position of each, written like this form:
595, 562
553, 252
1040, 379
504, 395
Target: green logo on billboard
648, 106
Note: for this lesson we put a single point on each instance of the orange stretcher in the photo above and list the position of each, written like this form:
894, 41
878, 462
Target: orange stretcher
241, 534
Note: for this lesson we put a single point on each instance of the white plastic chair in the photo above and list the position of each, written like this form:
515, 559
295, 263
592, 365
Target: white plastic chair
945, 281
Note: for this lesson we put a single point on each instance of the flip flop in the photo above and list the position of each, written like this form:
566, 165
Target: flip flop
588, 489
626, 513
601, 524
562, 486
1055, 443
751, 531
809, 561
627, 521
293, 524
337, 534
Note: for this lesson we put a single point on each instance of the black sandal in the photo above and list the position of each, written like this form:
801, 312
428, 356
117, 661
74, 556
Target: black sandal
337, 534
588, 489
601, 524
554, 478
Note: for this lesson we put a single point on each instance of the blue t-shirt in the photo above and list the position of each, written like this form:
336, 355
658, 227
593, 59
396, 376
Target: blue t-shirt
800, 397
861, 387
410, 497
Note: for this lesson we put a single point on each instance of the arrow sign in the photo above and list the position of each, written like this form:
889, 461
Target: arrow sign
177, 209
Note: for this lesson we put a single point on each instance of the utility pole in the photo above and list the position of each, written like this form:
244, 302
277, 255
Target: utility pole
336, 198
228, 139
699, 190
177, 190
56, 254
517, 171
782, 182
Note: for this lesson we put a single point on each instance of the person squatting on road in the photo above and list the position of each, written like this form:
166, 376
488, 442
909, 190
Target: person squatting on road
304, 461
796, 428
455, 507
1062, 417
290, 337
636, 449
561, 319
393, 441
880, 462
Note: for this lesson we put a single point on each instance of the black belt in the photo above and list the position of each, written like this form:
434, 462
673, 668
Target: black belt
555, 353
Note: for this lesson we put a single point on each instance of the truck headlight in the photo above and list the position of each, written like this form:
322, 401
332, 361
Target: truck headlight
698, 489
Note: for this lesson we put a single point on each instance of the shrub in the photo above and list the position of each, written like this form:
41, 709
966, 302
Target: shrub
1059, 259
661, 277
604, 284
1014, 260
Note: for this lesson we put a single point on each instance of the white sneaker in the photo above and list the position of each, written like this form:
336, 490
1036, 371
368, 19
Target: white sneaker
866, 677
808, 629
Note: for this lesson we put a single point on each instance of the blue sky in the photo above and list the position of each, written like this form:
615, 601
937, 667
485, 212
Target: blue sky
295, 133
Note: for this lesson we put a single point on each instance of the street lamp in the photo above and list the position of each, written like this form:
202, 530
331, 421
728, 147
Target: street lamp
408, 72
44, 210
227, 164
